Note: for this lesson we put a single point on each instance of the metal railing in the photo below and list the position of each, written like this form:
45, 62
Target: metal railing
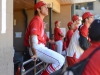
32, 68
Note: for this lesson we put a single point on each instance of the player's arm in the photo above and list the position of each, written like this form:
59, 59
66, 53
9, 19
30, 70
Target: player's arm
33, 43
33, 38
60, 33
70, 35
51, 42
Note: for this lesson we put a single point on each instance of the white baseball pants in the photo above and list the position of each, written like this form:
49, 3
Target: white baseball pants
59, 47
55, 59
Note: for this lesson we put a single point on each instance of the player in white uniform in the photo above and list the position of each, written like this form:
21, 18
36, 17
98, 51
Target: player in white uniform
34, 39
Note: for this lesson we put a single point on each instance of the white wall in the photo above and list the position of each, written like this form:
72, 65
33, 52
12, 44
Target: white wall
6, 38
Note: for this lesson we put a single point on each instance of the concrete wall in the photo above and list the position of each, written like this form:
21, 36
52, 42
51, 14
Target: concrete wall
19, 27
64, 16
30, 14
54, 4
6, 40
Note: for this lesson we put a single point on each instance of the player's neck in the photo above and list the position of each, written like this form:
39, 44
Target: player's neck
76, 25
87, 24
41, 16
57, 26
71, 29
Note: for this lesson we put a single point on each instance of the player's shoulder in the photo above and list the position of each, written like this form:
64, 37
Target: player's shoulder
34, 21
84, 28
55, 28
58, 29
70, 31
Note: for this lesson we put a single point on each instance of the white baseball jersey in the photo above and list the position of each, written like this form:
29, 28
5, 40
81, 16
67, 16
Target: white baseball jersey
74, 46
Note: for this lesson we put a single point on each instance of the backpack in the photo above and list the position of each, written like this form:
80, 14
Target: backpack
78, 68
83, 42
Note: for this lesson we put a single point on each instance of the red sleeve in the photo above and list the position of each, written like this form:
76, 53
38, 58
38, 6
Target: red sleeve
59, 31
84, 31
34, 26
70, 35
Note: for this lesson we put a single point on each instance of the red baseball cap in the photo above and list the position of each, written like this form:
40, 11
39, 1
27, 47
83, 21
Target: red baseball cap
69, 23
86, 15
75, 17
39, 4
56, 22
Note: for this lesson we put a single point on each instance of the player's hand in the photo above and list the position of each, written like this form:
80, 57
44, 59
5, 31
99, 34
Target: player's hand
34, 57
51, 41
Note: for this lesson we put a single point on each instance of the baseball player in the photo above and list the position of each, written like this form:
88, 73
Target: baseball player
76, 20
34, 39
74, 51
58, 35
71, 26
70, 32
93, 65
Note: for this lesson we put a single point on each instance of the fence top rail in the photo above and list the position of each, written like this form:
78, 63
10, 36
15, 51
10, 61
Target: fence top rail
26, 62
33, 68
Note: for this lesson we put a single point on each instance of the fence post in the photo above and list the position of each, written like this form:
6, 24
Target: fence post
35, 67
